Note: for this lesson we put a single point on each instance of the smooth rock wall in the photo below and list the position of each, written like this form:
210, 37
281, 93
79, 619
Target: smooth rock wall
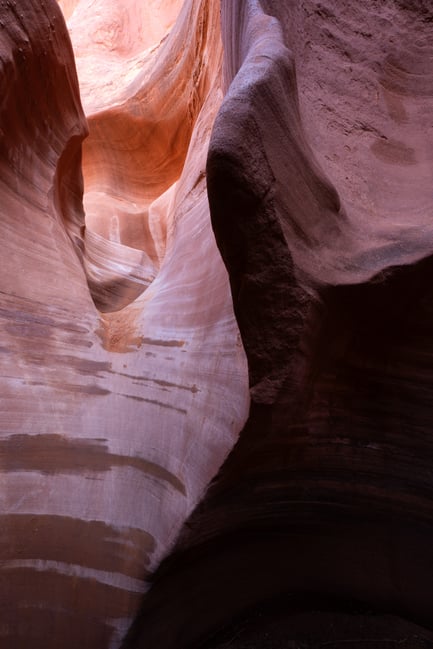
123, 378
318, 528
307, 132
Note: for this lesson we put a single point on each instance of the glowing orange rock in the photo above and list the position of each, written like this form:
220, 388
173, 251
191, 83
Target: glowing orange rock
113, 423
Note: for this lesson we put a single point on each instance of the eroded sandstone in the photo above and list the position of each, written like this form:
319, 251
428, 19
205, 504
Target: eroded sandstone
119, 395
124, 383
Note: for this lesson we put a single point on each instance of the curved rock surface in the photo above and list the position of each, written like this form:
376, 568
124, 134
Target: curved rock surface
309, 130
318, 529
116, 411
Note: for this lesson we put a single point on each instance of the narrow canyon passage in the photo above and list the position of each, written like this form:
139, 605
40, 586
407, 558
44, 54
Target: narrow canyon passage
317, 531
217, 249
123, 378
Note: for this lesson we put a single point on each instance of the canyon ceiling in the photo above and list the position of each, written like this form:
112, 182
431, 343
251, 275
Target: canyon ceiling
216, 348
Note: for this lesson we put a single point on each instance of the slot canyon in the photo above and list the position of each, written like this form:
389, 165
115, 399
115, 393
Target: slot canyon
216, 317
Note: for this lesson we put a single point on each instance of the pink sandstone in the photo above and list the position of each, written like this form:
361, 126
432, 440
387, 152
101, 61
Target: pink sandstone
256, 164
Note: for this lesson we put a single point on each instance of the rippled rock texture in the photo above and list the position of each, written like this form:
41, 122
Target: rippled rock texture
318, 529
123, 378
299, 136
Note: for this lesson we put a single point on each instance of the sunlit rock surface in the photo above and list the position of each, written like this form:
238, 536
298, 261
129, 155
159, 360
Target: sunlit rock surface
123, 379
304, 136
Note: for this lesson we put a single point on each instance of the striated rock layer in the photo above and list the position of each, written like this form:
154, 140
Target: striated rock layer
124, 384
318, 529
123, 380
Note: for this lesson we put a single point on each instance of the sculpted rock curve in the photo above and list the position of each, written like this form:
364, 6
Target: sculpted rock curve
116, 410
321, 519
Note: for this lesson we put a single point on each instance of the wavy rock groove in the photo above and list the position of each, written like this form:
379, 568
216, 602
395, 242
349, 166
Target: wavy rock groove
317, 530
119, 396
216, 324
